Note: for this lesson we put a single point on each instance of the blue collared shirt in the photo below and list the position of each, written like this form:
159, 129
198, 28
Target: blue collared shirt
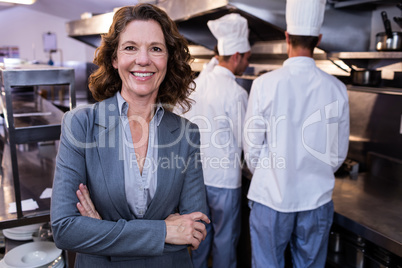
140, 188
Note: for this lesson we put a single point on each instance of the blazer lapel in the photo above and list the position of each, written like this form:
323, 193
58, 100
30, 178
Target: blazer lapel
108, 142
169, 146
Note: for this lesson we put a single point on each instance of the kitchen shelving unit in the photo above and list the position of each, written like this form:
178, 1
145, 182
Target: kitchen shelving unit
32, 127
368, 59
371, 60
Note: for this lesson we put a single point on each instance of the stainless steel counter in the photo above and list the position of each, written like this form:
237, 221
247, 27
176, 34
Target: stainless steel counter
371, 207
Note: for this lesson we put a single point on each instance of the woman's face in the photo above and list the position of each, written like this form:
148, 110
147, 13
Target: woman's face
141, 59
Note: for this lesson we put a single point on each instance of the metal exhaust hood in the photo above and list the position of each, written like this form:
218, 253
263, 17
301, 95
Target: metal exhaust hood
191, 18
344, 29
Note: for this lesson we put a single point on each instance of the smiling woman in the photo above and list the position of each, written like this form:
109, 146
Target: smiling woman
141, 60
116, 202
178, 82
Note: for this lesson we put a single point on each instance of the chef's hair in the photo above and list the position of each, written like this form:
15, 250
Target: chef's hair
227, 57
304, 41
179, 80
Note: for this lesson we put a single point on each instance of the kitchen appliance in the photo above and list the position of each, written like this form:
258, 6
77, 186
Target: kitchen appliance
388, 40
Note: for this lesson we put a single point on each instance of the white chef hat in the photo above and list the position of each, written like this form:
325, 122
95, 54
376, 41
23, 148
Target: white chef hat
232, 33
304, 17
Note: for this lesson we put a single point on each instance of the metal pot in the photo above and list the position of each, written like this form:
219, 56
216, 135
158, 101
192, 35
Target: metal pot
385, 43
388, 40
369, 78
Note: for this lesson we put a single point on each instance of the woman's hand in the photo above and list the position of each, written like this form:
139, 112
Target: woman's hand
85, 206
186, 229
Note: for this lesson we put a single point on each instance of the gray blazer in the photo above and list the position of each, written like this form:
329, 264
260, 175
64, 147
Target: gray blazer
89, 153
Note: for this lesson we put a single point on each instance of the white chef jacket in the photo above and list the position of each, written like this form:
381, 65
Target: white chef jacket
208, 67
296, 136
219, 110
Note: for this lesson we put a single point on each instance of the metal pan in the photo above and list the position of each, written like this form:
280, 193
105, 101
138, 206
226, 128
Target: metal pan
388, 40
369, 78
385, 43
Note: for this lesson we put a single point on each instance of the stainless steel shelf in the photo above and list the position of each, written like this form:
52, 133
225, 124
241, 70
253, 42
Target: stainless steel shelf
396, 55
36, 163
368, 59
33, 75
29, 119
35, 118
362, 3
380, 90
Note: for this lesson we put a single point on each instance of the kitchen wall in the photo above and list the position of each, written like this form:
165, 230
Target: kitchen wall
375, 125
24, 28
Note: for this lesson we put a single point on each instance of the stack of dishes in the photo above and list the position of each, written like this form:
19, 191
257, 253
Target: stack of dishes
39, 254
22, 233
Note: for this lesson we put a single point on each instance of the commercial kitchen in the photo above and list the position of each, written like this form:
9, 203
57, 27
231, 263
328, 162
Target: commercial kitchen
46, 54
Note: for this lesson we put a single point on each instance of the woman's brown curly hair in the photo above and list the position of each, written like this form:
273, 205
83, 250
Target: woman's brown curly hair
179, 79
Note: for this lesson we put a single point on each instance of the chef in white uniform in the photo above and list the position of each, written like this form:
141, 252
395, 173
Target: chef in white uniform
296, 136
219, 110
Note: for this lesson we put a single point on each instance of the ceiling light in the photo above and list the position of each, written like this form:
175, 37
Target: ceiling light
19, 2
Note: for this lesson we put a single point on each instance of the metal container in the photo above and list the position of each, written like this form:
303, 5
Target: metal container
385, 43
388, 40
370, 78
